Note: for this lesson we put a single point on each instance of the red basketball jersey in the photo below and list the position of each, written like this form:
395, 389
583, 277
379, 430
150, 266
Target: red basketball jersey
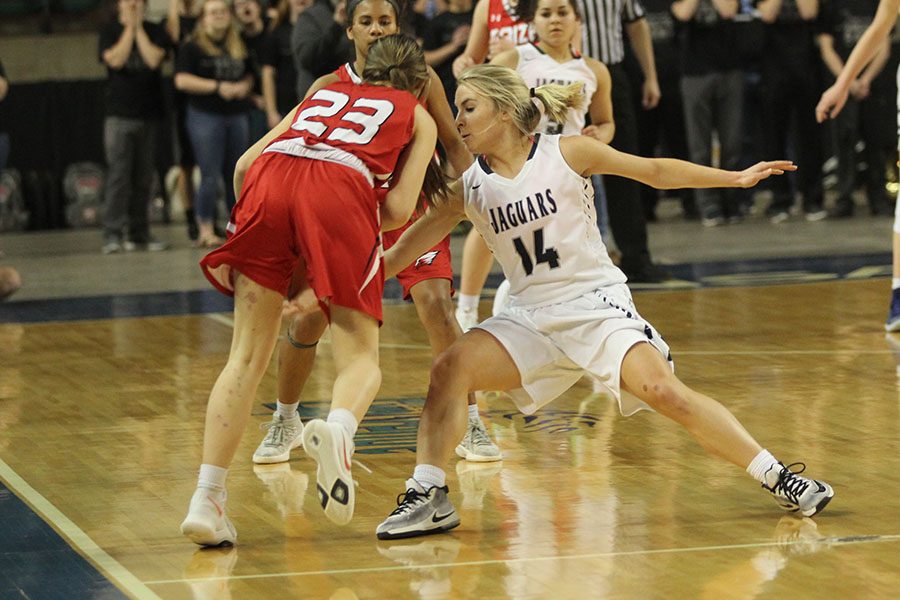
362, 126
503, 22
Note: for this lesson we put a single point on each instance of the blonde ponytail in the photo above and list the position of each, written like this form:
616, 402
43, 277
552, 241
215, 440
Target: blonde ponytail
505, 88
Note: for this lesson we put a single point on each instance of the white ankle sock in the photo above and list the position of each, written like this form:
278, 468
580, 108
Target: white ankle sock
345, 419
895, 283
759, 465
212, 478
473, 412
287, 411
429, 476
468, 301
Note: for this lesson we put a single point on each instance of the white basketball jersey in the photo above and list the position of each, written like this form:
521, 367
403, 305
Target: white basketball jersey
541, 227
536, 69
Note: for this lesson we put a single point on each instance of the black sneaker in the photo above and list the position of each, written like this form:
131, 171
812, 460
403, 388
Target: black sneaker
645, 272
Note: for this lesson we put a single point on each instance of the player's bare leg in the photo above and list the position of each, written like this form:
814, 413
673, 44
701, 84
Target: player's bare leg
476, 266
435, 310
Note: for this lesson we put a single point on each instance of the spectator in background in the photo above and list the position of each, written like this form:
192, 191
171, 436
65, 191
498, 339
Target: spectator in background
319, 42
180, 22
661, 130
790, 89
249, 14
445, 39
132, 50
279, 76
863, 117
712, 87
214, 70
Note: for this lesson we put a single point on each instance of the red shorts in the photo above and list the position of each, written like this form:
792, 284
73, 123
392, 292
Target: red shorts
434, 264
294, 207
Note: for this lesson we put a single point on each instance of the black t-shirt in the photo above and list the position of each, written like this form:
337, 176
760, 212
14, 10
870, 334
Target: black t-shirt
277, 53
663, 29
790, 40
438, 34
256, 45
847, 20
192, 59
135, 90
707, 42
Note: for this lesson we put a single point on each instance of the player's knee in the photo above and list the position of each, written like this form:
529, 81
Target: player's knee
434, 307
447, 372
666, 397
307, 328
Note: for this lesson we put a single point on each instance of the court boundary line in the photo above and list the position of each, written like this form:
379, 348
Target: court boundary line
77, 539
842, 540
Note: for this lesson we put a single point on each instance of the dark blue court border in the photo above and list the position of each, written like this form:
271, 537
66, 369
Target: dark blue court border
38, 564
210, 301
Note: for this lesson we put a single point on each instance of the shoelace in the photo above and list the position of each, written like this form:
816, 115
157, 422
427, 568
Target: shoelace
790, 484
480, 436
408, 500
276, 433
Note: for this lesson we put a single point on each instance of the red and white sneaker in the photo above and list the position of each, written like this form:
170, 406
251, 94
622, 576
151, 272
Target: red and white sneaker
206, 523
331, 447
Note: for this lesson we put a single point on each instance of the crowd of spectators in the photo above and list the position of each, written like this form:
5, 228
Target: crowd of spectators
724, 82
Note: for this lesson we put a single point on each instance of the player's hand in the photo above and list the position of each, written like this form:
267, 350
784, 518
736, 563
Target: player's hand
831, 103
763, 170
461, 63
498, 45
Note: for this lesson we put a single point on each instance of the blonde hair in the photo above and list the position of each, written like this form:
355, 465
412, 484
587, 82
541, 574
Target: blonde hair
234, 45
505, 88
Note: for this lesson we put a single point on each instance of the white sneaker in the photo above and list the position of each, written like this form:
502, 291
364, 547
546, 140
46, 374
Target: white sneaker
284, 435
476, 445
331, 447
467, 317
206, 523
501, 298
795, 493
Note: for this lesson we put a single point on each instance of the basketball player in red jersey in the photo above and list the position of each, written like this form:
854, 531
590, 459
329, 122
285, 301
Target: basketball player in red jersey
497, 25
427, 281
309, 214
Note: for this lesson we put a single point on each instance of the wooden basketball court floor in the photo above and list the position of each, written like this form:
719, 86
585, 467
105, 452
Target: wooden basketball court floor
100, 437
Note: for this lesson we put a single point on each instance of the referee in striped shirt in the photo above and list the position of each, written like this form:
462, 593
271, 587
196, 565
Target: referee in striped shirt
604, 23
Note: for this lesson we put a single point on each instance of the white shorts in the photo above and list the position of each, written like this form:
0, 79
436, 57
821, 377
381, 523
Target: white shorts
554, 346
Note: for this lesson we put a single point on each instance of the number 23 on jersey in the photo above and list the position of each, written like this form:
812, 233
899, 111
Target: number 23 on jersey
356, 125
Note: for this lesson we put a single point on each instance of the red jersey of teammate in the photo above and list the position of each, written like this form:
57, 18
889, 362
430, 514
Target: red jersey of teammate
504, 23
434, 264
361, 126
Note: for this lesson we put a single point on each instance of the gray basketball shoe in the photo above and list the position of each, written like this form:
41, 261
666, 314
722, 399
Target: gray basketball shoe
794, 493
476, 445
284, 435
419, 513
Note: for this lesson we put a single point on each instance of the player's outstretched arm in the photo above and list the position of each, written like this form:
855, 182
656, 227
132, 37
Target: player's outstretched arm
587, 156
437, 222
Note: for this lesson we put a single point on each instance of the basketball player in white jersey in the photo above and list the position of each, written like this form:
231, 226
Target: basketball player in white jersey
569, 311
549, 60
833, 101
